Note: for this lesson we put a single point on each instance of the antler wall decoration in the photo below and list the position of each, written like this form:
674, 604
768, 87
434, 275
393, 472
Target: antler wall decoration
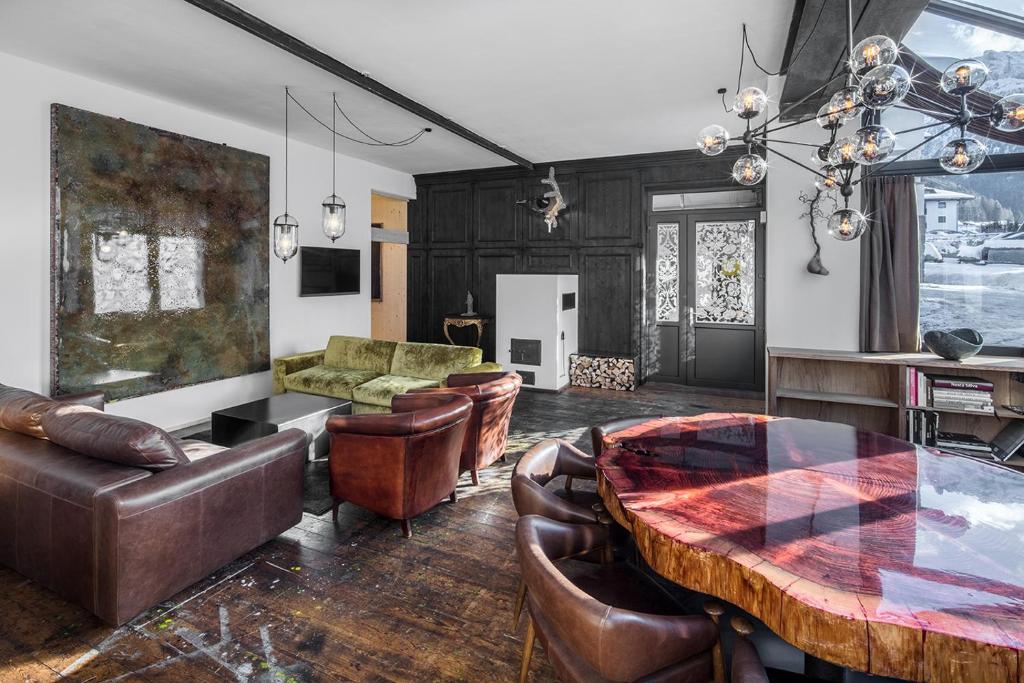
550, 204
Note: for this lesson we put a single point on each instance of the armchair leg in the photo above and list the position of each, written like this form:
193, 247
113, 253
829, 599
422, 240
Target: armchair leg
407, 528
568, 482
715, 611
520, 599
503, 458
454, 497
531, 636
476, 477
334, 509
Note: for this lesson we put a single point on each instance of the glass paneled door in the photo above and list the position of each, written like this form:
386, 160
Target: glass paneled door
705, 298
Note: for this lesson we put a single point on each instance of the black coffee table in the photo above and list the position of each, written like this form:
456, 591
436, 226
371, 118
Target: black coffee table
266, 416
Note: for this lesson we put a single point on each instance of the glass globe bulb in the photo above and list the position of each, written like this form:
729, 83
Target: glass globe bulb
847, 224
831, 179
873, 144
873, 52
963, 77
962, 155
843, 152
846, 102
712, 140
820, 153
828, 117
286, 236
334, 217
885, 86
749, 169
750, 102
1008, 113
105, 250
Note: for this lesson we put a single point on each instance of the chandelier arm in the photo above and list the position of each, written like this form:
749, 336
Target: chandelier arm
767, 130
923, 111
924, 127
933, 103
789, 142
791, 160
817, 91
869, 174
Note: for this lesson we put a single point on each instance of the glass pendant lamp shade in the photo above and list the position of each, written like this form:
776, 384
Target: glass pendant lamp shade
334, 217
873, 144
286, 236
104, 247
831, 179
962, 155
749, 169
847, 102
885, 86
963, 77
821, 153
847, 224
873, 52
712, 140
750, 102
843, 152
1008, 113
828, 117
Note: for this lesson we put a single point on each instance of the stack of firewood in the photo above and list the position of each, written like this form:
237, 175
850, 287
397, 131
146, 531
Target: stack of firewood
601, 372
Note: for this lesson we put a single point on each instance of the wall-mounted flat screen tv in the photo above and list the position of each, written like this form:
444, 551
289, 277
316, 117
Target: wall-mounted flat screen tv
325, 272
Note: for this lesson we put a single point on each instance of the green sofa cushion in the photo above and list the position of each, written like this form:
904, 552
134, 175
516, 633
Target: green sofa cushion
379, 391
325, 381
358, 353
433, 361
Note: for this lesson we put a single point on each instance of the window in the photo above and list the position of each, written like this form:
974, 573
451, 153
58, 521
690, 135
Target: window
942, 205
972, 270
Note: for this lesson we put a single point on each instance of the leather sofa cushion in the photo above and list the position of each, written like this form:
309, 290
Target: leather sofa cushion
112, 438
21, 411
433, 361
327, 381
359, 353
381, 390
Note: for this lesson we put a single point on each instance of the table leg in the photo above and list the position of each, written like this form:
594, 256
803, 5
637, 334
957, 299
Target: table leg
447, 335
820, 670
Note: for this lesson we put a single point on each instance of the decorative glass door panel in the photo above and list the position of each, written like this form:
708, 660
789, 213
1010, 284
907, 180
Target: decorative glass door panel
667, 273
725, 272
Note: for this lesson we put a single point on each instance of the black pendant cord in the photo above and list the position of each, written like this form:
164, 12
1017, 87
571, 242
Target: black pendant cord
286, 96
334, 146
400, 143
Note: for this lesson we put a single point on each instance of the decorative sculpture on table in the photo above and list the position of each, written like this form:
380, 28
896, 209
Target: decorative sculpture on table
469, 304
814, 213
550, 204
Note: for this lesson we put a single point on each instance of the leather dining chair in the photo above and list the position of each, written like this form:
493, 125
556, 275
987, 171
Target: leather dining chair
746, 663
493, 395
599, 432
401, 464
596, 627
541, 464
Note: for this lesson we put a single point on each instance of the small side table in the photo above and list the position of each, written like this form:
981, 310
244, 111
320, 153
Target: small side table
458, 320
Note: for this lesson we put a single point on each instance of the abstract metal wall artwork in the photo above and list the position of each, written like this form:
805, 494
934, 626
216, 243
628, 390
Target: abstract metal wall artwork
725, 272
159, 258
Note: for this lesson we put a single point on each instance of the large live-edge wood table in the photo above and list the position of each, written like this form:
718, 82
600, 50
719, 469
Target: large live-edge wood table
858, 548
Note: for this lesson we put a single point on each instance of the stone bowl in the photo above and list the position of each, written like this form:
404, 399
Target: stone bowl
954, 345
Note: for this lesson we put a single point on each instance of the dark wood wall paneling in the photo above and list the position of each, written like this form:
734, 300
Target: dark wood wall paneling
465, 229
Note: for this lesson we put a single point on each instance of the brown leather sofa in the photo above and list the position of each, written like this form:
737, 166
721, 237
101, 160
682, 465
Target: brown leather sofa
132, 516
494, 396
401, 464
595, 623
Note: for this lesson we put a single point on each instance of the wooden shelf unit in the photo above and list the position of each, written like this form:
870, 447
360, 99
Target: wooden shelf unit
868, 390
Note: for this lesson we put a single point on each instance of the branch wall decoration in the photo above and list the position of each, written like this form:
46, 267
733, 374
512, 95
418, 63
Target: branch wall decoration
159, 260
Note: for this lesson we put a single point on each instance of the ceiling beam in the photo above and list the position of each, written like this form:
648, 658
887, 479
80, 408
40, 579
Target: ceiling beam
252, 24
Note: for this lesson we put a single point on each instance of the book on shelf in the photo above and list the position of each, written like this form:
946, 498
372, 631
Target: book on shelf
922, 427
954, 382
949, 392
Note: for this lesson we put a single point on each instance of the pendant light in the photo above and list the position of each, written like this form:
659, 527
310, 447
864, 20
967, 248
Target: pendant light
334, 206
286, 228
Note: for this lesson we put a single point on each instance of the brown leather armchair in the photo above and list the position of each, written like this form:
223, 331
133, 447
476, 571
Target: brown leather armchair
746, 663
599, 432
544, 462
494, 395
591, 639
399, 465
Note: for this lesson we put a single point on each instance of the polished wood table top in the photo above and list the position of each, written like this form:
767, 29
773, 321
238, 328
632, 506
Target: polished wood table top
857, 548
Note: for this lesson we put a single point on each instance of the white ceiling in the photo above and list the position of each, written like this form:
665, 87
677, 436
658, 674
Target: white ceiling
553, 79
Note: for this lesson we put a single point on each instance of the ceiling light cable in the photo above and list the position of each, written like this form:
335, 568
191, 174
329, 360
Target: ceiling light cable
400, 143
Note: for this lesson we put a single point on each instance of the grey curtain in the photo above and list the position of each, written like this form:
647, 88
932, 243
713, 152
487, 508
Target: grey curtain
890, 266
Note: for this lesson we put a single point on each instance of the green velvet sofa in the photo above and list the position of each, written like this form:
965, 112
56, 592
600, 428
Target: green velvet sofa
369, 372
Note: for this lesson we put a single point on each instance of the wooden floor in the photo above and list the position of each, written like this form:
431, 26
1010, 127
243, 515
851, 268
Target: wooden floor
354, 601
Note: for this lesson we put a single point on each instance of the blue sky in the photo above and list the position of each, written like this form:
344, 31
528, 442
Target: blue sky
937, 36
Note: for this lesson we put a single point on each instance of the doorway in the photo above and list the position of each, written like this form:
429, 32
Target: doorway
704, 290
389, 237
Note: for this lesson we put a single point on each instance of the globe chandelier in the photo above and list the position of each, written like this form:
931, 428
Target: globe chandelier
874, 82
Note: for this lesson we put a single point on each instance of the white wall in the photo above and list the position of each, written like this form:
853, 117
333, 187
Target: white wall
805, 310
295, 324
